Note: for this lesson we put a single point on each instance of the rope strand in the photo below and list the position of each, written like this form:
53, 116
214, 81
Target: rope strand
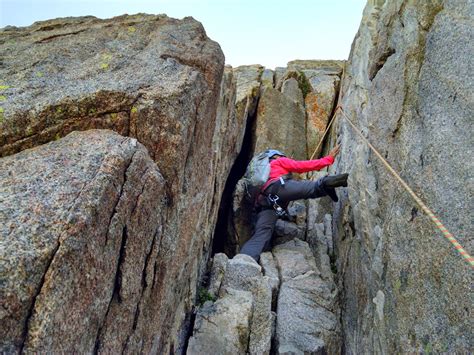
468, 258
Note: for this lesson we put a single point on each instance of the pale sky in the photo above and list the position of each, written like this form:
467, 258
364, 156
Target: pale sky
267, 32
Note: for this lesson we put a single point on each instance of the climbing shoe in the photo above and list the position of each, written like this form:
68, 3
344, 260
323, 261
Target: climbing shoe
335, 180
331, 193
330, 182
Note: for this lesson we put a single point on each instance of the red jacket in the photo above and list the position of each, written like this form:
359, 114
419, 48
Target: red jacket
283, 166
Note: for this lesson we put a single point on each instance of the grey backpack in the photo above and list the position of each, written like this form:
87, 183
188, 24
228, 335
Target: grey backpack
257, 173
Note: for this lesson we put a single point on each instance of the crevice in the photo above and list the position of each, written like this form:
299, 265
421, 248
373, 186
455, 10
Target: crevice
35, 297
116, 289
118, 274
190, 330
47, 39
274, 340
221, 232
114, 211
380, 62
140, 193
155, 265
190, 150
142, 291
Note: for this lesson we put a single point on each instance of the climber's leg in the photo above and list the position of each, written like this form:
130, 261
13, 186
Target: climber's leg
335, 180
300, 189
264, 227
304, 189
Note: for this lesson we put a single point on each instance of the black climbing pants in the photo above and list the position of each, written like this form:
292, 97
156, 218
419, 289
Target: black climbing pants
266, 217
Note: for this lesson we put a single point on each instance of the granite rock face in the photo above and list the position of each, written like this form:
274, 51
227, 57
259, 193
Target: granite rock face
405, 287
81, 222
156, 79
227, 326
223, 327
307, 321
280, 120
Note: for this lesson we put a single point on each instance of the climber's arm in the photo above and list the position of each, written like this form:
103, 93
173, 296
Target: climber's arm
303, 166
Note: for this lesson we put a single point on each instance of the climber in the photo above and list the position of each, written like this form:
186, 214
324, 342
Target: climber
280, 189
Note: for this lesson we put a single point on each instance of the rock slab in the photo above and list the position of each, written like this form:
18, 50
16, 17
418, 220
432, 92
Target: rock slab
409, 90
80, 225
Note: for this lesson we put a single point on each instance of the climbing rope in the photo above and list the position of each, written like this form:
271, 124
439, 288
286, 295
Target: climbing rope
420, 203
335, 112
468, 258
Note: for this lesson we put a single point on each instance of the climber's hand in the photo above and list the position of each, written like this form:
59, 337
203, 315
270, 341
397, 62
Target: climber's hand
335, 151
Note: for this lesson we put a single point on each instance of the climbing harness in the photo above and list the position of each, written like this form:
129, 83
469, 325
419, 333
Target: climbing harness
468, 258
280, 211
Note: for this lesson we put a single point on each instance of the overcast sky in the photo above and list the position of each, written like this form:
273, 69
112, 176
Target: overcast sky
267, 32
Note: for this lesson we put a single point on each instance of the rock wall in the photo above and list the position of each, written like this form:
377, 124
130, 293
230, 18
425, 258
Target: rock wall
289, 302
401, 286
289, 109
405, 289
79, 244
99, 266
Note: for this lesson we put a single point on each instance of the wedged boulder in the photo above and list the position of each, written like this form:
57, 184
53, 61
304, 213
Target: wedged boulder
268, 78
223, 327
406, 91
129, 73
307, 315
324, 67
80, 224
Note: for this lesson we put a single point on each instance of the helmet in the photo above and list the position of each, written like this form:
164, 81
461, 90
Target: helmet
272, 152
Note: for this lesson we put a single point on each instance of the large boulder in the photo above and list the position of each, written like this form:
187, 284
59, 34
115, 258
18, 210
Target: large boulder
124, 73
223, 327
409, 91
80, 224
158, 80
241, 319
